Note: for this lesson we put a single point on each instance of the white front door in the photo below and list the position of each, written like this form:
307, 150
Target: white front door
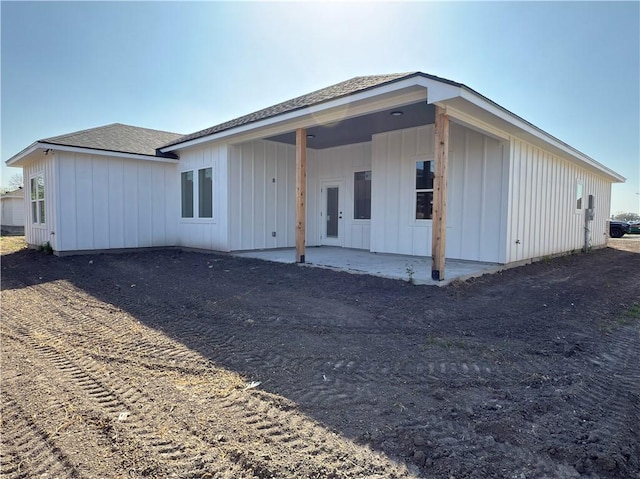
331, 215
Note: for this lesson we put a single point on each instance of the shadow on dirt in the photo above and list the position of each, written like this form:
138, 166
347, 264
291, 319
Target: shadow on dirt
529, 370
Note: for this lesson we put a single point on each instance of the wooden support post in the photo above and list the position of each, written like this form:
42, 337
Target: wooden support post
301, 198
439, 220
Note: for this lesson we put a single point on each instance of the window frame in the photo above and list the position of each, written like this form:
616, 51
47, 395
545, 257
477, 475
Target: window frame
417, 190
355, 218
37, 203
182, 195
196, 200
579, 186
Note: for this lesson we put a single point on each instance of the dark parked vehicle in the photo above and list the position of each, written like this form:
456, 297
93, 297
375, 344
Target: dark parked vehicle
617, 229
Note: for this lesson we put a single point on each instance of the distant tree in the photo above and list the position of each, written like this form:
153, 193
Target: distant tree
620, 216
16, 182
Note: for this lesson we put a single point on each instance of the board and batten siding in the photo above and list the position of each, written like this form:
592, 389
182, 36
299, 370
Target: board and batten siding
205, 233
476, 197
37, 234
262, 201
113, 203
13, 212
543, 219
338, 164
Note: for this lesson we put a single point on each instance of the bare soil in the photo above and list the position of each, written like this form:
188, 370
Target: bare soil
176, 364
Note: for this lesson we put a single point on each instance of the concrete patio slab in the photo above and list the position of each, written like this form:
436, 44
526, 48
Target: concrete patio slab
393, 266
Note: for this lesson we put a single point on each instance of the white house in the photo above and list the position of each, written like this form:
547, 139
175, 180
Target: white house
405, 163
12, 212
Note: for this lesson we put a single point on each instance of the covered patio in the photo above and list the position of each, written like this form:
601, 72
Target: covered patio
392, 266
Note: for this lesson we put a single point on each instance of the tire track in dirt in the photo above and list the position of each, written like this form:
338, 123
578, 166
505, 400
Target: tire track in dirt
306, 441
128, 336
309, 446
26, 450
147, 427
610, 396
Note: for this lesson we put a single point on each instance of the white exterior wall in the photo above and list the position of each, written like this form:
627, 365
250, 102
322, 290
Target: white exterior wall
476, 196
543, 219
13, 213
37, 234
338, 165
110, 202
262, 200
205, 233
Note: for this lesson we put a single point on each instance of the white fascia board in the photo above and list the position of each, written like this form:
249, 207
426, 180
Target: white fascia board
474, 123
439, 91
527, 127
91, 151
321, 113
24, 153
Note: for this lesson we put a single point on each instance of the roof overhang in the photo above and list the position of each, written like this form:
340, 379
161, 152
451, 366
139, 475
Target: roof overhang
397, 93
474, 110
463, 105
38, 147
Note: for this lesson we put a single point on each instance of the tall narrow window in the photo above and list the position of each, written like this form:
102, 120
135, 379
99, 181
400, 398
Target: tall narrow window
205, 193
579, 194
424, 190
37, 200
187, 193
362, 195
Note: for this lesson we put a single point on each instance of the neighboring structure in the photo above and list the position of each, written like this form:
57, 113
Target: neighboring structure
406, 163
12, 212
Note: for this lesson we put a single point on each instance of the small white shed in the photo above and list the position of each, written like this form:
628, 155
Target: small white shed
12, 212
404, 163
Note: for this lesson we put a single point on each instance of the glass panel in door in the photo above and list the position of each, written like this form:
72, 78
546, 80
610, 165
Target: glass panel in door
332, 212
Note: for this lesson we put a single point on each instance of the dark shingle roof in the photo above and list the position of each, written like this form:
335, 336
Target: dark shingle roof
332, 92
116, 137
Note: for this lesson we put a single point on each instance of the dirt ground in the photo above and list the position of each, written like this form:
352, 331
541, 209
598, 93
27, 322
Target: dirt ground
175, 364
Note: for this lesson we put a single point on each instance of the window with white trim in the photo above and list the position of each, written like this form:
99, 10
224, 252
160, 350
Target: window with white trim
205, 193
362, 195
37, 199
186, 186
579, 196
424, 189
202, 190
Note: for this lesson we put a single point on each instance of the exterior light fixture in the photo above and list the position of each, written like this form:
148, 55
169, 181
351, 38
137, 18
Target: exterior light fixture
310, 136
397, 113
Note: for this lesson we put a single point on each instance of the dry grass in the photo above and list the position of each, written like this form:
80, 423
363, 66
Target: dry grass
629, 243
12, 244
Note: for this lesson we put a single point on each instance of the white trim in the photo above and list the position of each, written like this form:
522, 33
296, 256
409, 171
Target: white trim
437, 91
90, 151
26, 152
324, 239
196, 218
414, 190
527, 127
39, 223
473, 123
578, 183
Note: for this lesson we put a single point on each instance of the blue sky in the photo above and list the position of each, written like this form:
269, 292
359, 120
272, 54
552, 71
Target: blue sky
572, 69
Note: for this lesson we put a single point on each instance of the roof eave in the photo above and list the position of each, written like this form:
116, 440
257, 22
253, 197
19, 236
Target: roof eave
15, 160
393, 86
500, 112
439, 90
